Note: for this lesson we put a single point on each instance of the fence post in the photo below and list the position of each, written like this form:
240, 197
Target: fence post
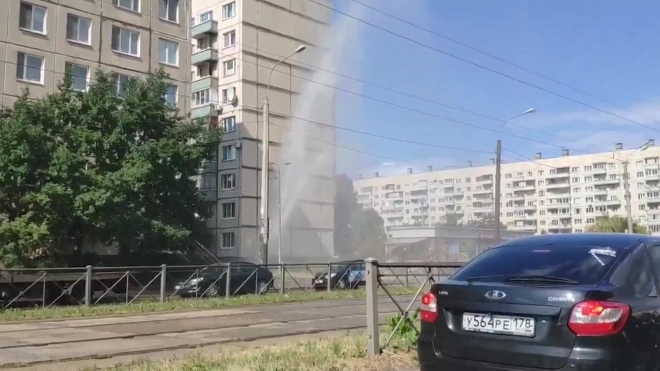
163, 282
88, 286
373, 336
330, 277
228, 281
282, 278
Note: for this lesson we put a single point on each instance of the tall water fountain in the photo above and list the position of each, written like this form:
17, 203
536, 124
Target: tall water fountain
307, 162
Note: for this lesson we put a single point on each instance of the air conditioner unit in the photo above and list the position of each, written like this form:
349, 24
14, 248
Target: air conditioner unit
238, 145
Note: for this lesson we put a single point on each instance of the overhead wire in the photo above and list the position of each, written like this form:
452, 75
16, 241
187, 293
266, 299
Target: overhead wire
499, 59
481, 66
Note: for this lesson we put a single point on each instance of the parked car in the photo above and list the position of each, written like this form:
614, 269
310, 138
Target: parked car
346, 275
551, 302
245, 278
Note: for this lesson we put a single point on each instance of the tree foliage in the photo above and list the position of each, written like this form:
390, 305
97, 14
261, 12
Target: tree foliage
358, 232
92, 166
486, 221
614, 224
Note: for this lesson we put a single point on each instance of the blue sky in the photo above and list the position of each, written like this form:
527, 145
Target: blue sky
605, 47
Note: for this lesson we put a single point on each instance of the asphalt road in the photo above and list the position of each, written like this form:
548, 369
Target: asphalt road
53, 342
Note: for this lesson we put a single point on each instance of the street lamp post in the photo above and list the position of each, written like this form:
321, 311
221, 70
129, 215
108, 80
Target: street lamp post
498, 176
265, 143
626, 184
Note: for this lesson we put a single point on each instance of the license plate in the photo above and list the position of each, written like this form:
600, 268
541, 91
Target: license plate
319, 281
496, 324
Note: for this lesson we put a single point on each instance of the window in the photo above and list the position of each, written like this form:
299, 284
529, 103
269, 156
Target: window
227, 240
79, 74
78, 29
121, 83
229, 39
228, 95
133, 5
229, 210
576, 263
32, 18
171, 95
229, 67
229, 10
125, 41
205, 17
29, 68
168, 10
228, 153
229, 124
168, 52
508, 176
228, 181
201, 97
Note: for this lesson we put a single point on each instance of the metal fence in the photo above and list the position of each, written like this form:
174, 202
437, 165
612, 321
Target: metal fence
97, 285
382, 276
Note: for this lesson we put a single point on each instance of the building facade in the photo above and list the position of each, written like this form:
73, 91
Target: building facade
555, 195
237, 44
41, 40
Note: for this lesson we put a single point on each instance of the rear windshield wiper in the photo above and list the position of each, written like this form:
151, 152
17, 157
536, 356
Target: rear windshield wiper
486, 278
542, 279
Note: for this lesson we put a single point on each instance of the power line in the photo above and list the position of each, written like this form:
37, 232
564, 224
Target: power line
383, 136
475, 64
499, 59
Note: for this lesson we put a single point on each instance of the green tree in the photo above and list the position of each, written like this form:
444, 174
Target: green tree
614, 224
452, 219
486, 221
358, 232
94, 166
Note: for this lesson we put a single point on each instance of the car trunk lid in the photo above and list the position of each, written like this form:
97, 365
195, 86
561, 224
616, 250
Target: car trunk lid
506, 323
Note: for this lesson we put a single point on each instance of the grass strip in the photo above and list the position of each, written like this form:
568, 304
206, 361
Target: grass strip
145, 307
344, 353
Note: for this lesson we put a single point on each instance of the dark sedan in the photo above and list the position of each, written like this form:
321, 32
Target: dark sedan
347, 275
245, 278
553, 302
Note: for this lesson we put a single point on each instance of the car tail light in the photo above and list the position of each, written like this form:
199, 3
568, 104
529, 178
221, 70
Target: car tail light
598, 318
428, 310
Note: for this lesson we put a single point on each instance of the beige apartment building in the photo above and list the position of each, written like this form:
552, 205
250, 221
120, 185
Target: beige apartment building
41, 39
555, 195
237, 44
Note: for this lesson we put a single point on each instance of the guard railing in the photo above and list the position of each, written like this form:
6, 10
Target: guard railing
382, 276
97, 285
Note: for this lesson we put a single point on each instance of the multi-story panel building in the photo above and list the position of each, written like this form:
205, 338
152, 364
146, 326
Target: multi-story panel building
42, 39
556, 195
237, 44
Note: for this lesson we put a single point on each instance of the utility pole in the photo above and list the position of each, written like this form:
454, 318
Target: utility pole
265, 163
498, 195
498, 177
626, 185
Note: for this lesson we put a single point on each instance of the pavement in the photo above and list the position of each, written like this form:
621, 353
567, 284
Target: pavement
65, 344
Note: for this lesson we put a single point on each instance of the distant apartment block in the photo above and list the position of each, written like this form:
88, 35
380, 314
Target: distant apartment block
555, 195
42, 39
236, 44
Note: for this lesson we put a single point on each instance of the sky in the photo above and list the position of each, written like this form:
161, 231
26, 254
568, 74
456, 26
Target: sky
605, 48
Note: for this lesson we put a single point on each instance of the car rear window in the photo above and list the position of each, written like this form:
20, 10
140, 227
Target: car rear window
584, 264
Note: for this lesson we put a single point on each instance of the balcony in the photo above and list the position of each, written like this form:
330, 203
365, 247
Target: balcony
209, 167
607, 202
557, 185
204, 56
208, 82
559, 175
209, 194
203, 111
606, 181
202, 29
528, 187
